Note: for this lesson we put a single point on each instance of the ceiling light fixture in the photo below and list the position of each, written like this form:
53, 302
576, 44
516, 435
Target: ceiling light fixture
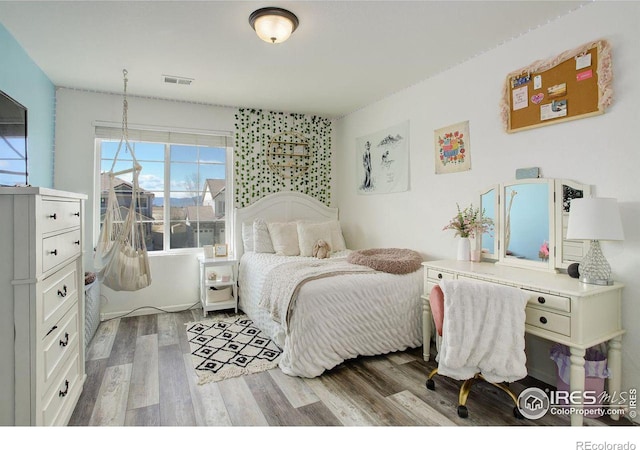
273, 25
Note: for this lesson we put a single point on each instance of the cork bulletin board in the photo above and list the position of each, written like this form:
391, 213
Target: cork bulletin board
573, 85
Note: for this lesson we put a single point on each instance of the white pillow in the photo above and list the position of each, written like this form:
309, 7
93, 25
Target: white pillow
337, 239
311, 232
247, 236
284, 236
261, 238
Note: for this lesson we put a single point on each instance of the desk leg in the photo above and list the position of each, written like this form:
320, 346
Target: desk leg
576, 381
614, 360
426, 329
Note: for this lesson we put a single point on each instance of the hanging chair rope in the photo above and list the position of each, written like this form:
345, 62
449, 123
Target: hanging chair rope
121, 257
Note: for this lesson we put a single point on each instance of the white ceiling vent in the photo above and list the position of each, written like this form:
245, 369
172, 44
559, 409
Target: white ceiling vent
170, 79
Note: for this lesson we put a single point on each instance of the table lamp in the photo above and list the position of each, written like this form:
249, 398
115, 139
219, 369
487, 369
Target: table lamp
595, 219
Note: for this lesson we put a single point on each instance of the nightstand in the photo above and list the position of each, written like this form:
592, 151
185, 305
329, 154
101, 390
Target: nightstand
218, 283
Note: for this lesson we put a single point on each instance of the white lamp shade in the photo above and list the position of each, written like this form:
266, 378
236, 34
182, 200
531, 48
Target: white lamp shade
273, 25
595, 219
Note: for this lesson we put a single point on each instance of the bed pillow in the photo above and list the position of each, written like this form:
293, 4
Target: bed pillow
261, 238
247, 236
337, 239
311, 232
284, 236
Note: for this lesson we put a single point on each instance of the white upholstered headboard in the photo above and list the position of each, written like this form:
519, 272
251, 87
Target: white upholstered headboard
280, 207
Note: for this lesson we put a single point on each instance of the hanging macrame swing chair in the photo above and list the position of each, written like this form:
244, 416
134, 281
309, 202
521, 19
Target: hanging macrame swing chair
121, 258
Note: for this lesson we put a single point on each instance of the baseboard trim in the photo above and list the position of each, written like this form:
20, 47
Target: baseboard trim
147, 310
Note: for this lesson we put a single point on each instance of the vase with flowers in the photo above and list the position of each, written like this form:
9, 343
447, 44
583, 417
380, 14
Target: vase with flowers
468, 223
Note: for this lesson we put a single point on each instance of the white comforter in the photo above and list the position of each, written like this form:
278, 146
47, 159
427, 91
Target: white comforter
336, 318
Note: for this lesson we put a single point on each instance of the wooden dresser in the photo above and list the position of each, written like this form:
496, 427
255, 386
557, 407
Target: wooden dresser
560, 309
41, 306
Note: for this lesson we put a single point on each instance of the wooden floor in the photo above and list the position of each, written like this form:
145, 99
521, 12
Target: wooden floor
139, 373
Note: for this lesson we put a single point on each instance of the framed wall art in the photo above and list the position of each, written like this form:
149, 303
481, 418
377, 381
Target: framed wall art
382, 161
452, 151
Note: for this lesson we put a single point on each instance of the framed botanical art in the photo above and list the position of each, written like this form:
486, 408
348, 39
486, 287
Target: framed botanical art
452, 151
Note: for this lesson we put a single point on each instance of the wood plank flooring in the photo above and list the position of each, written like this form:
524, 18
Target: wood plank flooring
139, 373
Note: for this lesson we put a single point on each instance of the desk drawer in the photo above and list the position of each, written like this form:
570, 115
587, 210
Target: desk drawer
556, 323
548, 301
437, 275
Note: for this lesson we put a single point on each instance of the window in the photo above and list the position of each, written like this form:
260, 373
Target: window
183, 185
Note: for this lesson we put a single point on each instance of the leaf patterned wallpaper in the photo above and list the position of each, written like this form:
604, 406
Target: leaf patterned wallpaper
254, 179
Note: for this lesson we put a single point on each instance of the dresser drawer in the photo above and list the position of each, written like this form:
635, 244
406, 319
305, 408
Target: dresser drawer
437, 275
550, 301
59, 215
59, 293
557, 323
59, 248
62, 341
62, 390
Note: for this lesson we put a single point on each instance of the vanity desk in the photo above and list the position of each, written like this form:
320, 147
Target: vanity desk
560, 309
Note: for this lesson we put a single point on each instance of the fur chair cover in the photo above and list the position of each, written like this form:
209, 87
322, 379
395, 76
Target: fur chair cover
390, 260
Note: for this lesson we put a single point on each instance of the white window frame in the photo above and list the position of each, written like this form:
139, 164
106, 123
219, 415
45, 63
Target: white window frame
229, 197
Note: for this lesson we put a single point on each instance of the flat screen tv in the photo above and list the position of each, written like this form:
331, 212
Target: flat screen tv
13, 142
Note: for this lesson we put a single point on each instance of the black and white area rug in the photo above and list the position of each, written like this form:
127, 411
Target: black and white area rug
229, 347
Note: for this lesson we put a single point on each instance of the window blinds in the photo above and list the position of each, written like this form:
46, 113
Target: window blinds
202, 138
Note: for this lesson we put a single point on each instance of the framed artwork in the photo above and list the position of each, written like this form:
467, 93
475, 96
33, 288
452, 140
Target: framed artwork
220, 250
382, 161
452, 151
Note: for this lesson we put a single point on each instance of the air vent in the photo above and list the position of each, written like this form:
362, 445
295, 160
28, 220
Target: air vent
170, 79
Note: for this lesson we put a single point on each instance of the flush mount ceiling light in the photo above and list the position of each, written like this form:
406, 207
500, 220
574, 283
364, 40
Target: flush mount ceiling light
273, 25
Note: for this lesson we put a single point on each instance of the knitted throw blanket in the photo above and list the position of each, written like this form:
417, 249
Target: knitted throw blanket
390, 260
285, 280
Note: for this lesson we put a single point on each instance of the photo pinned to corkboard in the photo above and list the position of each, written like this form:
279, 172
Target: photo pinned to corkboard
573, 85
452, 150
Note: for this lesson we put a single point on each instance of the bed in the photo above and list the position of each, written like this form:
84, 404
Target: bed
333, 317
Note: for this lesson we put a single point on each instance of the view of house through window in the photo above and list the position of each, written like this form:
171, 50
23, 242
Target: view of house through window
182, 191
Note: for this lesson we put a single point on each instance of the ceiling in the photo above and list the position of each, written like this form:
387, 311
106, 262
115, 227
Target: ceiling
343, 56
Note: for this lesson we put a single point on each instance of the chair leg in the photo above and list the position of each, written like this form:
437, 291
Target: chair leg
465, 390
430, 383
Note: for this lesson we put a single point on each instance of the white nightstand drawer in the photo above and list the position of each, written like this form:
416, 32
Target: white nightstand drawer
550, 301
59, 215
58, 249
438, 275
58, 344
546, 320
59, 292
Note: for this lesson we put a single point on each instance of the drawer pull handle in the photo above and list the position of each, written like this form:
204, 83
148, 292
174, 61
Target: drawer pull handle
54, 252
76, 214
63, 292
53, 216
51, 330
77, 242
66, 389
66, 340
440, 276
541, 300
543, 319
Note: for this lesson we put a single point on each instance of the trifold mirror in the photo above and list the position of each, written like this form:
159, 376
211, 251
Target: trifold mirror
530, 223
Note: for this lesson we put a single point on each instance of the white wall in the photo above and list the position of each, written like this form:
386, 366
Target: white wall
601, 151
174, 278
